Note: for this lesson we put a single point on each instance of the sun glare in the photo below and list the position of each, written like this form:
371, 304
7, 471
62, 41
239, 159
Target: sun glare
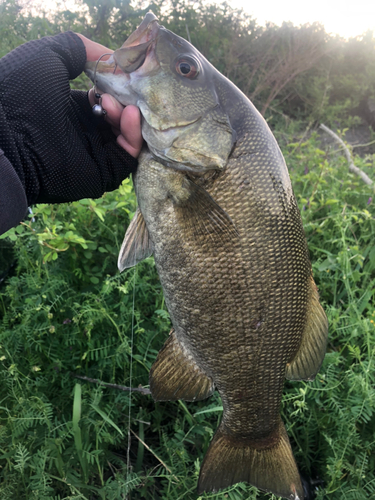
342, 17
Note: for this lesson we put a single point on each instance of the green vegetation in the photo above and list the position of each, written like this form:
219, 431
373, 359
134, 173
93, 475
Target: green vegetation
65, 310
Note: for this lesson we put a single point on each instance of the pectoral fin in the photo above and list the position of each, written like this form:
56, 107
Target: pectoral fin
309, 358
175, 375
201, 215
136, 245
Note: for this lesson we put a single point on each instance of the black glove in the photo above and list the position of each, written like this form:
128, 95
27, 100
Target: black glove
59, 150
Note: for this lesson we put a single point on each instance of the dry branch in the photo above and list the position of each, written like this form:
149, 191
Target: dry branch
352, 167
150, 450
142, 390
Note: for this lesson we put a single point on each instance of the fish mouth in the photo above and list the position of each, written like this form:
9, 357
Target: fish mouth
132, 55
129, 58
146, 31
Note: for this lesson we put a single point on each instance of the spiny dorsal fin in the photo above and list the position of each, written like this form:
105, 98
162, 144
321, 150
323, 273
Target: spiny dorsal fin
309, 358
176, 375
136, 245
270, 467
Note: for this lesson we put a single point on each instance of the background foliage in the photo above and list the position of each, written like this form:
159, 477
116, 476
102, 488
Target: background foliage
65, 311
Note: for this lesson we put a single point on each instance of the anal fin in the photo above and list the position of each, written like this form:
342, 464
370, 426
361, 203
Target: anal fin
175, 375
309, 358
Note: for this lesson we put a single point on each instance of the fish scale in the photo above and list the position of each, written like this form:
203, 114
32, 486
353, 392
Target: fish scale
237, 286
217, 211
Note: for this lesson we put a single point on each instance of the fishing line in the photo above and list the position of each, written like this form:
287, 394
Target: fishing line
130, 379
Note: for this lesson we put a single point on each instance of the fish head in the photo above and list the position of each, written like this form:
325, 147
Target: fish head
175, 88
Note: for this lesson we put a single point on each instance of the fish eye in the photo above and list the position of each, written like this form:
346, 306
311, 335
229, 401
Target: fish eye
187, 67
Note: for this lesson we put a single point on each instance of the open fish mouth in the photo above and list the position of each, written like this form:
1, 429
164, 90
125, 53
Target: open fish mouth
134, 53
145, 32
135, 48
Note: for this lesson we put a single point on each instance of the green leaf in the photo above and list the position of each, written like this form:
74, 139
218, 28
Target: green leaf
99, 212
85, 201
215, 409
329, 263
106, 418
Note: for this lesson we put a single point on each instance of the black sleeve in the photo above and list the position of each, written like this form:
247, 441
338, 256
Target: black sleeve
58, 149
13, 203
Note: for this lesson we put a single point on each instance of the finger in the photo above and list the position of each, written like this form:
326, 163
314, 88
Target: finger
131, 135
114, 110
92, 99
93, 50
116, 131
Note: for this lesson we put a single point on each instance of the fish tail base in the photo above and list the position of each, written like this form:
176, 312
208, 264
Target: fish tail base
268, 465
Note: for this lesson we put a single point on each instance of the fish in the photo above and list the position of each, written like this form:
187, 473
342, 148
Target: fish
217, 211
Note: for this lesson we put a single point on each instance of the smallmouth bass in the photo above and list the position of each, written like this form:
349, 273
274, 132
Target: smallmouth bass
217, 211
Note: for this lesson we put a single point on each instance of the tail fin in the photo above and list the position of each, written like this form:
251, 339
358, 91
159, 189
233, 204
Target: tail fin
231, 460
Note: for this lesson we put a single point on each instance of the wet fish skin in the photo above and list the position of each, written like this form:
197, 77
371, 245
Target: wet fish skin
217, 210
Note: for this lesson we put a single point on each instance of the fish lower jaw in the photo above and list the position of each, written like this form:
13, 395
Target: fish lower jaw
114, 85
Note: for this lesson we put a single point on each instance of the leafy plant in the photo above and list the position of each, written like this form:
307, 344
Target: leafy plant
66, 312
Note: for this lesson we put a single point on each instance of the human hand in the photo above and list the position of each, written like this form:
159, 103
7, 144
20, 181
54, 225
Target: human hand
59, 149
125, 122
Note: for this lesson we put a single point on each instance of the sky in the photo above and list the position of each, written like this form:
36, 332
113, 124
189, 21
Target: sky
346, 18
